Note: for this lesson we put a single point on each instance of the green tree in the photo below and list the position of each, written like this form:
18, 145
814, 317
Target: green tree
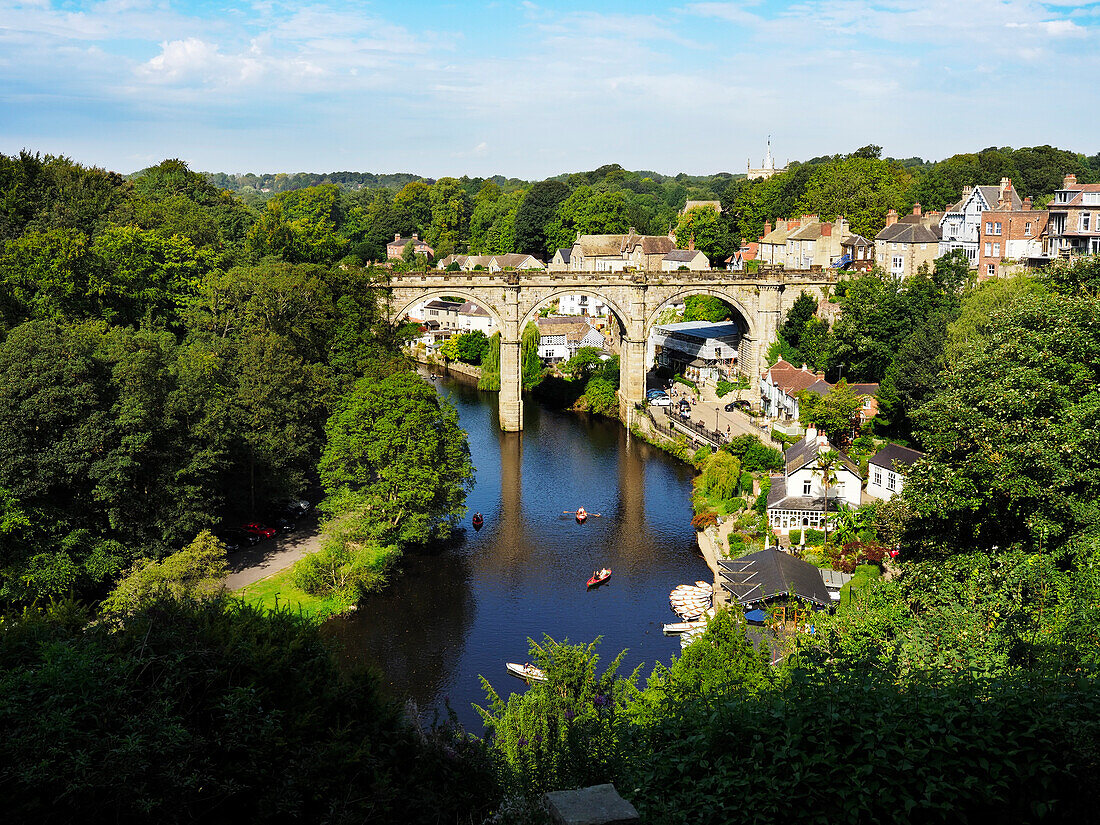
702, 226
861, 189
490, 366
535, 211
450, 217
196, 571
835, 414
395, 449
530, 365
706, 308
413, 208
827, 466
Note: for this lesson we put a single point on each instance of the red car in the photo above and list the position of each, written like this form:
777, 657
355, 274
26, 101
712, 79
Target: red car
259, 530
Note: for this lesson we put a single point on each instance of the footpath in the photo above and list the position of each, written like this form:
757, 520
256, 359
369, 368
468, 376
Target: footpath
250, 564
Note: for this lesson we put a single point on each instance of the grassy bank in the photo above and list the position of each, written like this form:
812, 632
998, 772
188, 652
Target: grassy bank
279, 591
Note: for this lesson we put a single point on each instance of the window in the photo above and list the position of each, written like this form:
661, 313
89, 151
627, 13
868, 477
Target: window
991, 269
997, 228
988, 249
806, 486
1086, 219
989, 227
996, 250
898, 264
1027, 229
891, 481
1091, 198
878, 478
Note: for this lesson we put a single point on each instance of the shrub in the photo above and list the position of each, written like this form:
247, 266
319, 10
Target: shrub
761, 505
815, 537
197, 571
701, 521
700, 458
745, 485
722, 475
796, 538
724, 388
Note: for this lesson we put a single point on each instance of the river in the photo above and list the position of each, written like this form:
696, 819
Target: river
468, 609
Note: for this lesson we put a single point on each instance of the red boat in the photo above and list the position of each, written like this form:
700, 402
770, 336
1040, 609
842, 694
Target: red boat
599, 577
582, 516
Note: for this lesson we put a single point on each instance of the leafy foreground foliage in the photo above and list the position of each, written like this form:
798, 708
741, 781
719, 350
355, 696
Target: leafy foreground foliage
213, 711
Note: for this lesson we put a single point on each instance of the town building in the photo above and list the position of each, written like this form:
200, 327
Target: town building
766, 169
961, 222
857, 254
815, 243
745, 253
492, 263
617, 253
772, 247
396, 247
691, 259
798, 499
769, 576
453, 316
886, 470
1072, 225
903, 247
577, 304
700, 350
780, 385
1009, 239
560, 338
560, 261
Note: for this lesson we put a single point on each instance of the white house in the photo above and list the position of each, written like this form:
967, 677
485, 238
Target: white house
797, 499
577, 304
454, 316
560, 338
781, 384
886, 470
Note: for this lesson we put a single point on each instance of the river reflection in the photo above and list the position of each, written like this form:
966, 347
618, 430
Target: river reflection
465, 611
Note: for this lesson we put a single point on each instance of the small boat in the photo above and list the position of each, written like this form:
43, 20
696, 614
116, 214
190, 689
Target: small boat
582, 516
527, 672
478, 521
676, 628
599, 577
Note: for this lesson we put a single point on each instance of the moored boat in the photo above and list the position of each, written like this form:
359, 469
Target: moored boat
526, 671
599, 577
478, 521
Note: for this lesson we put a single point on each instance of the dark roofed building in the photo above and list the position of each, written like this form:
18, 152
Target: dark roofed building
770, 575
886, 470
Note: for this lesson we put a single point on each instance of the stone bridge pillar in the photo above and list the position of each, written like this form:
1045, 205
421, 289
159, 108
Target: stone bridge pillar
769, 317
632, 358
510, 402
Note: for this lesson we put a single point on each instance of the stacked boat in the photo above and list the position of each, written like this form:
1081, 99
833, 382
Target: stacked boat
690, 602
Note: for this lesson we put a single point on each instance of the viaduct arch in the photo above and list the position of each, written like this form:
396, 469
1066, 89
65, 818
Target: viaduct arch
636, 298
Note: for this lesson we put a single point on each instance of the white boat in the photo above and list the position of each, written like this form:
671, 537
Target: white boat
529, 673
676, 628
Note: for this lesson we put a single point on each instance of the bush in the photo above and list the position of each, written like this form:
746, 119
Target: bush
722, 475
745, 484
724, 388
701, 521
700, 458
815, 538
783, 438
761, 505
196, 571
796, 538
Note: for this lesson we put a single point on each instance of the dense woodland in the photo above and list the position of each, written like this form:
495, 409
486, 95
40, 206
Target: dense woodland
498, 215
169, 354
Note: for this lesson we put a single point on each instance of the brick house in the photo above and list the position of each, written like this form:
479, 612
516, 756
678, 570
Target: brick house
395, 247
961, 221
1009, 237
1072, 223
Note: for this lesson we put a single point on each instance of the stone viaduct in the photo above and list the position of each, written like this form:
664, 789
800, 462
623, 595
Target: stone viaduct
761, 299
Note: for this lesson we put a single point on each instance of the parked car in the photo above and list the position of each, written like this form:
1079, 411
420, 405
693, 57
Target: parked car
259, 530
239, 538
297, 508
660, 401
738, 405
655, 394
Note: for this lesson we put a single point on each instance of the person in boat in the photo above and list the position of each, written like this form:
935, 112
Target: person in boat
582, 513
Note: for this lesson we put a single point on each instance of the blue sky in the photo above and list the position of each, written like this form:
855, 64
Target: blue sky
533, 89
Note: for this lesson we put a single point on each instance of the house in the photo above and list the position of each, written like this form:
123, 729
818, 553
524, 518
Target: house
797, 499
886, 470
513, 261
755, 580
577, 304
747, 252
454, 316
396, 247
780, 385
1009, 238
902, 247
701, 350
646, 252
472, 317
617, 253
1072, 226
560, 338
691, 259
560, 261
961, 221
772, 247
815, 243
857, 253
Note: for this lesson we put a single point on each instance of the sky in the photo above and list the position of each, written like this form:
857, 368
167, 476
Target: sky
530, 90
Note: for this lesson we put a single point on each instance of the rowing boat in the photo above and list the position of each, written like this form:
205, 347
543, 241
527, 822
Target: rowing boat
527, 672
599, 577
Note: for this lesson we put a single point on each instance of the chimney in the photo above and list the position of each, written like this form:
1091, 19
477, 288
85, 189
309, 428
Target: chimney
1027, 204
966, 191
916, 209
767, 227
414, 236
691, 243
1069, 182
826, 230
744, 242
823, 441
805, 367
811, 433
891, 217
397, 237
